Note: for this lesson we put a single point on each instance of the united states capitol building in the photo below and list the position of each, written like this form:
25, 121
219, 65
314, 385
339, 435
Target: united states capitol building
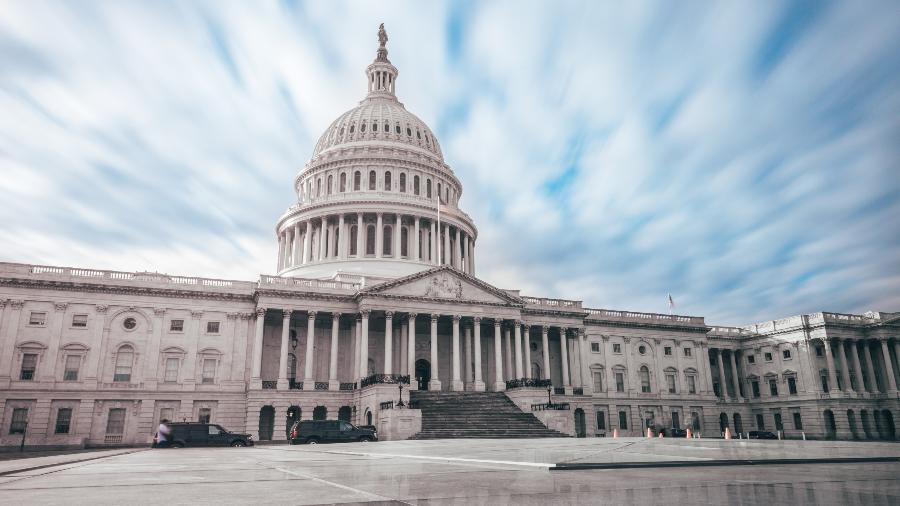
377, 289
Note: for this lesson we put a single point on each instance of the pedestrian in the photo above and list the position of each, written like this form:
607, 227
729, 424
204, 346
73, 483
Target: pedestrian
162, 434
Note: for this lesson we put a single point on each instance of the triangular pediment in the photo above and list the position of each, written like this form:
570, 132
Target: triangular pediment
443, 283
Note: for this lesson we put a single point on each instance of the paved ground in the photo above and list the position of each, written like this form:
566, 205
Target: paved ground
468, 472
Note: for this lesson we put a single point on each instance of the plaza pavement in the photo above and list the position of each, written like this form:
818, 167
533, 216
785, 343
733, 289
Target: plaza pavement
475, 472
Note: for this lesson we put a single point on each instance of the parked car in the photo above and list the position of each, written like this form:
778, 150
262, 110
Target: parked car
761, 434
672, 432
329, 431
195, 434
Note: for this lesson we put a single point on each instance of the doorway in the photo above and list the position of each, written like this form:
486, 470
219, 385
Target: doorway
423, 373
830, 425
293, 414
266, 423
580, 430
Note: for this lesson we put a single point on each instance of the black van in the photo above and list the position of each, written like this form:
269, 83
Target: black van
202, 434
329, 431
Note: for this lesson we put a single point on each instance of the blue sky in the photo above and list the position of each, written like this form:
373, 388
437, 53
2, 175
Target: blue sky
741, 155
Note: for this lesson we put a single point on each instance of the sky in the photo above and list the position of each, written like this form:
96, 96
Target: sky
742, 156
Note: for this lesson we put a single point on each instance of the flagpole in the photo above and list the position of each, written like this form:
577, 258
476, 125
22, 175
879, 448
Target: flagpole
439, 242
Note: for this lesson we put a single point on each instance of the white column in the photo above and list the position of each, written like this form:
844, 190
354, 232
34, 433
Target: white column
735, 377
479, 382
357, 328
564, 353
432, 257
545, 343
457, 251
857, 370
283, 358
379, 235
258, 344
526, 342
472, 257
323, 225
465, 262
499, 384
360, 247
308, 380
278, 266
397, 236
518, 345
889, 367
307, 242
467, 337
342, 238
720, 361
411, 352
389, 342
845, 369
418, 242
364, 346
435, 383
582, 358
870, 366
457, 384
402, 365
297, 253
333, 383
510, 371
832, 374
445, 254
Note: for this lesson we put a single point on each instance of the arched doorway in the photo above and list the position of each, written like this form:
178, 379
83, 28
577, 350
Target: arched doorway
266, 423
320, 413
723, 422
866, 423
423, 373
579, 423
738, 424
293, 414
889, 429
345, 413
368, 417
851, 422
830, 425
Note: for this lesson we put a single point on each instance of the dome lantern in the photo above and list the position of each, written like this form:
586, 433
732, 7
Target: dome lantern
382, 76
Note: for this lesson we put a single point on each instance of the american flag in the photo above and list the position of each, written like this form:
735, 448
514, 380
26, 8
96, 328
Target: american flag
670, 302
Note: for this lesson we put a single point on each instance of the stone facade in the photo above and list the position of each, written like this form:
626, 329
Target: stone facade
376, 289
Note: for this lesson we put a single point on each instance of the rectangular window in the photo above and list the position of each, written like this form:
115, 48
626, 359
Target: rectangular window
176, 326
798, 423
670, 382
819, 351
73, 363
166, 414
171, 370
792, 385
212, 327
667, 350
786, 354
79, 320
595, 347
620, 382
825, 387
760, 422
751, 359
692, 385
779, 426
203, 415
37, 318
773, 387
63, 420
754, 385
717, 390
209, 370
115, 424
29, 365
601, 420
598, 381
768, 356
623, 420
19, 421
617, 348
688, 352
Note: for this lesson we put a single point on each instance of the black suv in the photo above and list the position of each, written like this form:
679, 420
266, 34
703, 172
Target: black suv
329, 431
202, 434
761, 434
671, 432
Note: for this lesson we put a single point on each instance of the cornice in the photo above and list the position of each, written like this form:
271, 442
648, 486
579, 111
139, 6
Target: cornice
551, 312
639, 325
70, 286
289, 294
459, 218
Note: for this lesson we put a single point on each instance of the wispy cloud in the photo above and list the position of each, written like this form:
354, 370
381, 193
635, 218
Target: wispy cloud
742, 157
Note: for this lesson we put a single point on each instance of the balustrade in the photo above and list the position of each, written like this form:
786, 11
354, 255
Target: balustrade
527, 383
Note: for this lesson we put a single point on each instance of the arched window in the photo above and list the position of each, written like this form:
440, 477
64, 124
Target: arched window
397, 128
124, 361
352, 127
645, 379
387, 127
446, 195
404, 241
402, 182
374, 126
330, 184
356, 181
439, 190
387, 181
343, 182
416, 185
371, 179
388, 240
353, 246
362, 128
370, 239
428, 188
319, 187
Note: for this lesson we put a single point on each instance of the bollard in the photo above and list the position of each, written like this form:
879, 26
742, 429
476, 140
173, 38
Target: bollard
804, 435
660, 435
649, 432
779, 435
688, 434
727, 433
615, 433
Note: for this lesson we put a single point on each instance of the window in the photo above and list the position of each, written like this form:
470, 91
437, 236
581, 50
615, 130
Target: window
601, 420
670, 382
203, 415
598, 381
798, 423
212, 327
129, 323
768, 356
115, 423
37, 318
792, 385
688, 352
63, 420
319, 187
617, 348
171, 370
29, 365
786, 354
387, 182
356, 180
372, 180
176, 326
595, 347
370, 239
343, 182
751, 359
645, 379
19, 421
388, 240
692, 385
124, 360
416, 185
352, 238
402, 183
209, 370
620, 382
642, 349
397, 129
404, 242
773, 387
428, 188
330, 184
79, 320
667, 350
166, 414
362, 128
825, 383
760, 422
754, 386
73, 363
819, 351
623, 420
779, 426
215, 429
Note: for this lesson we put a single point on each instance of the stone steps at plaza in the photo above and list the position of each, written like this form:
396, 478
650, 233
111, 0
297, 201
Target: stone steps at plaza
449, 415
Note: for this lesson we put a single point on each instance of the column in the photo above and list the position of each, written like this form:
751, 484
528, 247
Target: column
705, 385
479, 383
55, 324
445, 254
832, 374
402, 365
333, 383
870, 366
897, 348
309, 382
397, 236
432, 257
845, 370
364, 346
518, 345
435, 383
457, 384
360, 247
411, 352
379, 235
357, 330
857, 370
499, 384
465, 263
888, 367
545, 346
582, 358
342, 238
257, 346
564, 353
526, 342
283, 358
467, 337
296, 248
151, 373
307, 242
457, 251
418, 242
280, 251
389, 342
323, 224
720, 361
510, 372
735, 378
472, 257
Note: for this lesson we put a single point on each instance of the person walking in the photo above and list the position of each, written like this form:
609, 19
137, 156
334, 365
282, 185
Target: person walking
162, 434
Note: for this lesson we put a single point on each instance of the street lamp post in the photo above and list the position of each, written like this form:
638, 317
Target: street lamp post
549, 389
400, 404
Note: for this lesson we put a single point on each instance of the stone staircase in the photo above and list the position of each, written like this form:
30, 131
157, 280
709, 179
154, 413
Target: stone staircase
450, 415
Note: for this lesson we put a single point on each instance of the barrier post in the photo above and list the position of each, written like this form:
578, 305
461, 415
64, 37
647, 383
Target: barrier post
727, 433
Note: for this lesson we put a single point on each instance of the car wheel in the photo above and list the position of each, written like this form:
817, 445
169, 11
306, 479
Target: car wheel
238, 444
365, 439
312, 441
176, 445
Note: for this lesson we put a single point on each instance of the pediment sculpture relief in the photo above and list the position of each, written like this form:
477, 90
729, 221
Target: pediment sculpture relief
444, 286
